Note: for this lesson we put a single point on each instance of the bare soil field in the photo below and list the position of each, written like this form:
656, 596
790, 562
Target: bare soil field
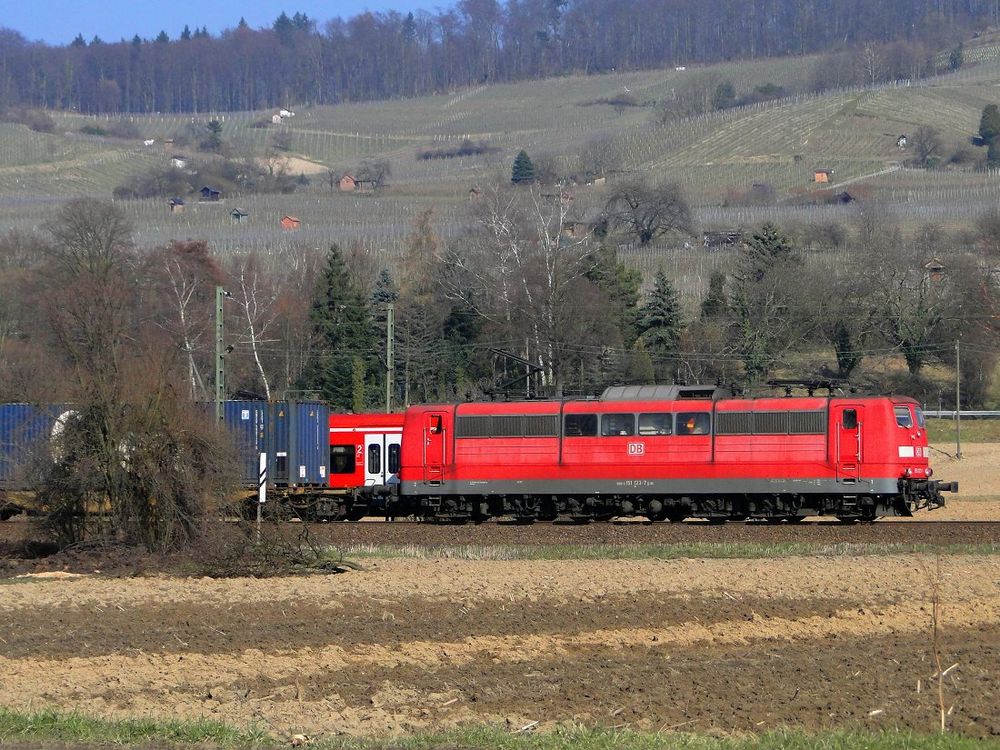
700, 645
406, 644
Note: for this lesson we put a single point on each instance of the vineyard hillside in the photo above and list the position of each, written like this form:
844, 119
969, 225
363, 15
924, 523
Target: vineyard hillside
617, 126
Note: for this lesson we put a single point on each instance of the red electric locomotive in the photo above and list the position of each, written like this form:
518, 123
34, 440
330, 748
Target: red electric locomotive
668, 453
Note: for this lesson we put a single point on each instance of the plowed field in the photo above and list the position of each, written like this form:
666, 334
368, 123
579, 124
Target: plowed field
692, 644
733, 645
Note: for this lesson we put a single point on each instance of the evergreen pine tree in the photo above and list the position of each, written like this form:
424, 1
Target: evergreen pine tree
724, 96
766, 248
186, 32
957, 57
344, 338
715, 303
660, 323
523, 170
385, 289
761, 326
621, 286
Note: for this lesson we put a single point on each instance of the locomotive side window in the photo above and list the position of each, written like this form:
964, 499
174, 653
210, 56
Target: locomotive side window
392, 459
850, 419
920, 417
581, 425
341, 459
694, 423
656, 424
617, 424
903, 417
374, 458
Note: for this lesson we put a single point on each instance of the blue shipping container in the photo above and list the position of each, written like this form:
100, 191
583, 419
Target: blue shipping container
247, 423
299, 443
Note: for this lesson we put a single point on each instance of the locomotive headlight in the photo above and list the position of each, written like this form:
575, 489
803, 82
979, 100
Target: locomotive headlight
930, 472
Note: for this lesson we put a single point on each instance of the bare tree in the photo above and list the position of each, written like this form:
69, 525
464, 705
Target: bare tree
185, 275
988, 232
376, 172
131, 453
256, 299
871, 63
520, 272
768, 303
911, 302
647, 213
927, 145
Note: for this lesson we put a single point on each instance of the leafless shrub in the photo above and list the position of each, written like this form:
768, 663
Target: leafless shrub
467, 147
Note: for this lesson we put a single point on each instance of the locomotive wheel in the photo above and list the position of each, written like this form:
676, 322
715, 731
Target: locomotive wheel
774, 520
848, 520
795, 519
716, 520
675, 516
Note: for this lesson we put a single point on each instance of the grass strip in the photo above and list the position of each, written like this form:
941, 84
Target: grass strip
57, 726
578, 738
54, 729
942, 431
714, 550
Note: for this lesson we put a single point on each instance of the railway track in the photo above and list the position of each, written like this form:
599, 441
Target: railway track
920, 533
405, 532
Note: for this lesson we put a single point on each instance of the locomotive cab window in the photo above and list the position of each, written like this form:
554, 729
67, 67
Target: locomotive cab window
617, 424
694, 423
374, 458
341, 459
656, 424
581, 425
850, 421
920, 417
903, 417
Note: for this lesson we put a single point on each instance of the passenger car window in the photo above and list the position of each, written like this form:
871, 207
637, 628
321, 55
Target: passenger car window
694, 423
617, 424
341, 459
374, 458
392, 460
656, 424
903, 417
581, 425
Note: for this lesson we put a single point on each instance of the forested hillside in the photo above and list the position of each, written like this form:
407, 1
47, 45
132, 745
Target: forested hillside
301, 60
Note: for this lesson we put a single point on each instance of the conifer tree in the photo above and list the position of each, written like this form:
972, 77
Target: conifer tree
715, 303
343, 338
385, 289
660, 323
523, 170
763, 323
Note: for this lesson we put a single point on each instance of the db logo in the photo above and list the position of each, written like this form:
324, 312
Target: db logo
636, 449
